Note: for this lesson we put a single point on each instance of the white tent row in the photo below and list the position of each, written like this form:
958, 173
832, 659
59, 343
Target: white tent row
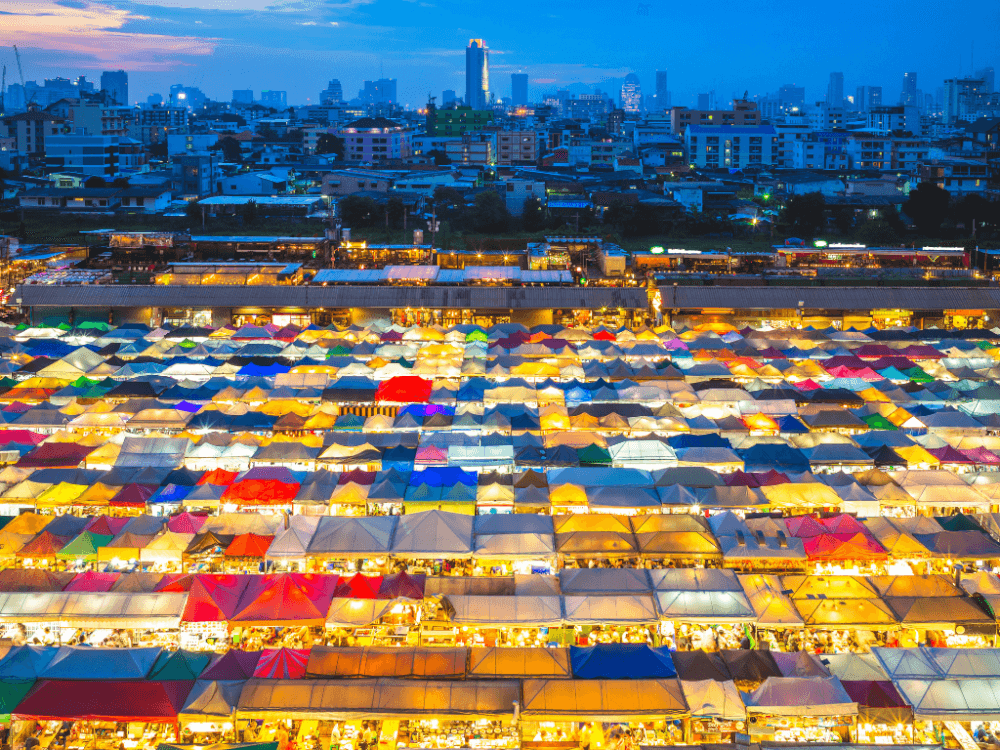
95, 609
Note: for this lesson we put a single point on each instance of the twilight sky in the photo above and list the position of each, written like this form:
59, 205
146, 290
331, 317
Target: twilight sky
298, 45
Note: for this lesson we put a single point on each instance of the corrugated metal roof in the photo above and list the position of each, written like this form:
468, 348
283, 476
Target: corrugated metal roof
483, 297
831, 298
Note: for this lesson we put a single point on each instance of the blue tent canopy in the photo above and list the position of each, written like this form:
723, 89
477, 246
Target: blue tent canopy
621, 661
765, 457
26, 662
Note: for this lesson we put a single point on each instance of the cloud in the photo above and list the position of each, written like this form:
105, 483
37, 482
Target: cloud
90, 31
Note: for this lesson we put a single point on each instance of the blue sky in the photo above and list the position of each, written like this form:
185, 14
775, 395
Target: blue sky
298, 45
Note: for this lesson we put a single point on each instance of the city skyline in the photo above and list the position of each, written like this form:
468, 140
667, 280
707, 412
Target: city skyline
210, 45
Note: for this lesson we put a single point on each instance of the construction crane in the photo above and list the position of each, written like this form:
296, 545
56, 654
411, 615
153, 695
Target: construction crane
20, 72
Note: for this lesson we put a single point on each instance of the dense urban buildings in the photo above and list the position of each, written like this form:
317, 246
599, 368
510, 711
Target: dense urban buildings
583, 418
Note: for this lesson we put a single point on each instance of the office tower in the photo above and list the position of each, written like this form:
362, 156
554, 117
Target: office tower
115, 83
662, 94
704, 101
962, 98
631, 96
867, 97
792, 98
448, 97
835, 90
519, 89
477, 74
382, 91
243, 96
332, 94
276, 99
988, 75
909, 93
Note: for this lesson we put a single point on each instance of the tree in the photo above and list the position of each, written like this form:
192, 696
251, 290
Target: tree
328, 143
395, 209
249, 213
95, 182
877, 233
231, 150
121, 182
843, 217
927, 208
533, 215
447, 196
440, 157
620, 215
974, 208
358, 211
805, 213
489, 213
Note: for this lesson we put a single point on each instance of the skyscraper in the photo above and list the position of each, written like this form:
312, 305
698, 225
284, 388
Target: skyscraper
792, 98
332, 94
477, 74
631, 94
115, 83
867, 97
835, 90
988, 75
382, 91
909, 93
243, 96
448, 97
519, 89
662, 94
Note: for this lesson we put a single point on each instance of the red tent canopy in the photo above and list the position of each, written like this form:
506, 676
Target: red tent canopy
134, 495
232, 665
113, 700
843, 547
805, 527
214, 598
20, 437
106, 525
93, 581
359, 586
260, 492
286, 598
356, 476
56, 456
186, 523
402, 586
874, 693
176, 582
219, 477
45, 544
741, 479
248, 545
282, 663
405, 389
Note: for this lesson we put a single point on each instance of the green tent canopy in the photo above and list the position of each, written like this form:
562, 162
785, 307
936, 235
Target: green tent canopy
11, 693
179, 665
84, 546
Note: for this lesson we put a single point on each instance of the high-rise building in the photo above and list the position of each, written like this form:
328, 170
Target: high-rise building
333, 93
477, 74
115, 83
988, 75
276, 99
706, 101
867, 97
792, 98
448, 97
835, 90
662, 93
909, 92
243, 96
631, 96
519, 89
191, 97
382, 91
962, 97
